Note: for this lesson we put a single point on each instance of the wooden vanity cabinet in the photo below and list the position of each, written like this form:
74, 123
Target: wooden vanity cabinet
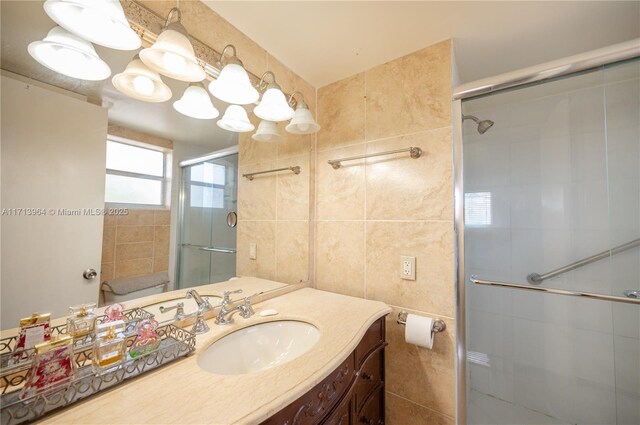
353, 394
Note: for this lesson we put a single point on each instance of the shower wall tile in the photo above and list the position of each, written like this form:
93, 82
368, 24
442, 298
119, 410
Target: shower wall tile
399, 186
434, 386
137, 267
263, 234
341, 113
410, 94
432, 245
340, 194
134, 234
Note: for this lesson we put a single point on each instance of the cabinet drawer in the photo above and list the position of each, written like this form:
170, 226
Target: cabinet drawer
373, 338
369, 376
342, 414
372, 412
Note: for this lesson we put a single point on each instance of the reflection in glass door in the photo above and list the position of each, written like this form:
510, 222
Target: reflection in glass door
207, 249
551, 185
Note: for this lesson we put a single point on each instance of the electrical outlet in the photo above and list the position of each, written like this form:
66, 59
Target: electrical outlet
253, 251
408, 268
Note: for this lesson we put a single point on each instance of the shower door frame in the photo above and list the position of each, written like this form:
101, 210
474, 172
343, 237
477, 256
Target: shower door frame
233, 150
570, 65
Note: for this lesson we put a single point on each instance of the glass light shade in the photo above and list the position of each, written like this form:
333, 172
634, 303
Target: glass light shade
274, 106
302, 122
69, 55
172, 55
233, 86
99, 21
267, 132
235, 119
141, 83
195, 103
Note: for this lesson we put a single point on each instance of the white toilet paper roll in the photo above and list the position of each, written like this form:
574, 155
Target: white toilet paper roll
419, 331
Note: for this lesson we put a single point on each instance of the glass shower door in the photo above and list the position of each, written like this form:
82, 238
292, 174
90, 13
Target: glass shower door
208, 233
555, 180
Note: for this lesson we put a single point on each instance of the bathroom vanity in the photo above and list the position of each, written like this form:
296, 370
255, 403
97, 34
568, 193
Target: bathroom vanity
338, 380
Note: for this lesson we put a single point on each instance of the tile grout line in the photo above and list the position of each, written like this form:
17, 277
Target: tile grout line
364, 227
418, 404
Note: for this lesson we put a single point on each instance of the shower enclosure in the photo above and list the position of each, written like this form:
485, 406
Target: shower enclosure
208, 201
549, 250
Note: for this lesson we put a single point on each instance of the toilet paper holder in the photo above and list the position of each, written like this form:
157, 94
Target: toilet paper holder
438, 324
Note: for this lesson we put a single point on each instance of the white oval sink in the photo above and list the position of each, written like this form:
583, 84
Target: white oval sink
189, 307
259, 347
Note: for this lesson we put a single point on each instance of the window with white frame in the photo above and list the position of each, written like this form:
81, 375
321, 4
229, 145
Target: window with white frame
136, 175
207, 182
477, 209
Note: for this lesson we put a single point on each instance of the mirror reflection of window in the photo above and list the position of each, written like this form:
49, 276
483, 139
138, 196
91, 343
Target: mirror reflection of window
136, 175
477, 209
207, 185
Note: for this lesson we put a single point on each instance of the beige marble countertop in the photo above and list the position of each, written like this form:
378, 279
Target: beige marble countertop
181, 393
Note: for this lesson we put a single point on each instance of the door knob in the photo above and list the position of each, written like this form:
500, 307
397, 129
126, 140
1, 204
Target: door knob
89, 274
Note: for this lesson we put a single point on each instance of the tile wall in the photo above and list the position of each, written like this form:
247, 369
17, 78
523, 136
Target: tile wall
371, 212
135, 244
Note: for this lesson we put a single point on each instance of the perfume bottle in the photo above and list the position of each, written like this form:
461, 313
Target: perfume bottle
114, 312
109, 346
147, 338
33, 330
52, 367
82, 321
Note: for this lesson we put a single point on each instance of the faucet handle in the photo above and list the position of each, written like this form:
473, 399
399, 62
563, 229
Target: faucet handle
226, 294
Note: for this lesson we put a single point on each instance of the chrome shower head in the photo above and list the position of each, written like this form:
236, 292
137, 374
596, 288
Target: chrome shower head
483, 125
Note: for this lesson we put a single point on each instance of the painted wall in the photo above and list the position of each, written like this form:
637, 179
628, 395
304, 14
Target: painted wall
371, 212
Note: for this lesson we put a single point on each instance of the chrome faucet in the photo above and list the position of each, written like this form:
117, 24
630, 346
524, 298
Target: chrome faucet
179, 307
225, 313
200, 326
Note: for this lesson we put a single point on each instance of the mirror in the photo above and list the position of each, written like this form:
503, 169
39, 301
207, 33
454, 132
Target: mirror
92, 179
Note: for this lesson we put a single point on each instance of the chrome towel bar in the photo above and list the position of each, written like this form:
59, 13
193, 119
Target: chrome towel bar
296, 170
414, 152
438, 324
590, 295
211, 248
536, 279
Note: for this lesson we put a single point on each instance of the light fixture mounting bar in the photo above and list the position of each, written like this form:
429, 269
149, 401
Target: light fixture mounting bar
148, 25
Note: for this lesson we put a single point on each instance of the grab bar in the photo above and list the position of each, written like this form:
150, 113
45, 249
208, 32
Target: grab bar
536, 279
590, 295
211, 248
296, 170
413, 152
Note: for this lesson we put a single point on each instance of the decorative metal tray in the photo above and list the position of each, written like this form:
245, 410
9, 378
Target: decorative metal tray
176, 342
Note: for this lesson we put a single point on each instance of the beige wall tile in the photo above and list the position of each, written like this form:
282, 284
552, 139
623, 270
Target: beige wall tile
292, 192
399, 411
126, 234
432, 245
132, 251
340, 257
107, 271
292, 251
139, 267
410, 94
340, 194
341, 113
110, 220
434, 385
253, 152
109, 244
293, 144
161, 241
400, 187
263, 233
137, 218
160, 264
162, 217
257, 197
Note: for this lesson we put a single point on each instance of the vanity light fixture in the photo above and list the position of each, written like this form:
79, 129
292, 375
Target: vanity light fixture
172, 54
99, 21
267, 132
196, 103
69, 55
273, 106
235, 119
302, 122
141, 83
233, 84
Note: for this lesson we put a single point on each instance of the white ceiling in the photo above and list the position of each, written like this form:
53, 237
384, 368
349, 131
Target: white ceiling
325, 41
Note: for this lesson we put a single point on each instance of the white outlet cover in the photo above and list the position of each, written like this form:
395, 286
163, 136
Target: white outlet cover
408, 268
